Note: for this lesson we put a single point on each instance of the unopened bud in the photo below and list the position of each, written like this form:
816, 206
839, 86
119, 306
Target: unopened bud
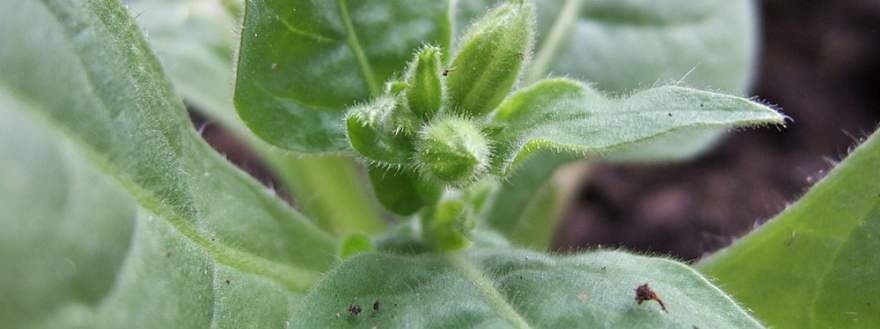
453, 150
490, 60
425, 94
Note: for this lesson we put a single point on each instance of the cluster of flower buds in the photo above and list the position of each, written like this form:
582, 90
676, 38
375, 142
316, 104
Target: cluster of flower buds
434, 120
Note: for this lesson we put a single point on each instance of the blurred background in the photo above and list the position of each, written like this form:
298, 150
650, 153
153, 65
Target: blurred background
820, 62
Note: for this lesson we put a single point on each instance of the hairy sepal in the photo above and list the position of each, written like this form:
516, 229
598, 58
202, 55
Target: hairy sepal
490, 59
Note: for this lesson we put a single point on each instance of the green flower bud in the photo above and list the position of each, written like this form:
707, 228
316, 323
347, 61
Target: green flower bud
453, 150
490, 59
425, 93
448, 225
374, 137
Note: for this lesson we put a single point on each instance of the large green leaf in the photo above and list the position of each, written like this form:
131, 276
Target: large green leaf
142, 223
194, 40
515, 289
302, 64
568, 115
624, 45
816, 264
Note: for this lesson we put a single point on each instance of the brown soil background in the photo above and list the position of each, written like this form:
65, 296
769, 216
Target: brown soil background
820, 63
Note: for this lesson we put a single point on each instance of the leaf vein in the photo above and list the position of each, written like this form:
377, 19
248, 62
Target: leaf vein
358, 50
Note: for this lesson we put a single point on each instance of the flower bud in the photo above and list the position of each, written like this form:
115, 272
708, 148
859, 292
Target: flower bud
373, 136
453, 150
490, 59
425, 93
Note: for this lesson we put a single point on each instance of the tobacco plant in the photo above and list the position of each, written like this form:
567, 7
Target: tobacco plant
418, 139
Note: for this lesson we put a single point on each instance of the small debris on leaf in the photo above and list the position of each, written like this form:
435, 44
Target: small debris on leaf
789, 241
644, 293
354, 309
376, 305
227, 281
446, 71
168, 254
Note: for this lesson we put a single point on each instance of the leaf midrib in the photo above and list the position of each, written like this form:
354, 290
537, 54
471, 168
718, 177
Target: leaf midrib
487, 289
355, 45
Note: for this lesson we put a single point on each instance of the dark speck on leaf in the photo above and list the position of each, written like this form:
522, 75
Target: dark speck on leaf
376, 305
227, 281
446, 71
644, 293
168, 254
354, 309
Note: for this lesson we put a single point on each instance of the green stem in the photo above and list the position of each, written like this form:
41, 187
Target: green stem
330, 190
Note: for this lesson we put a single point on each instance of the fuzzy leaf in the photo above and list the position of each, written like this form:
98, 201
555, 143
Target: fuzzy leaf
625, 45
569, 116
113, 211
303, 63
515, 289
818, 259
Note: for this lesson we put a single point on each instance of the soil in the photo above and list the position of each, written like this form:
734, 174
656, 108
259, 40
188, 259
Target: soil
820, 64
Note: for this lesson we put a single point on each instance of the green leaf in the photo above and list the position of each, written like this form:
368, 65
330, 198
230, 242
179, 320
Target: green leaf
194, 40
302, 64
515, 289
569, 116
818, 259
148, 221
622, 45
